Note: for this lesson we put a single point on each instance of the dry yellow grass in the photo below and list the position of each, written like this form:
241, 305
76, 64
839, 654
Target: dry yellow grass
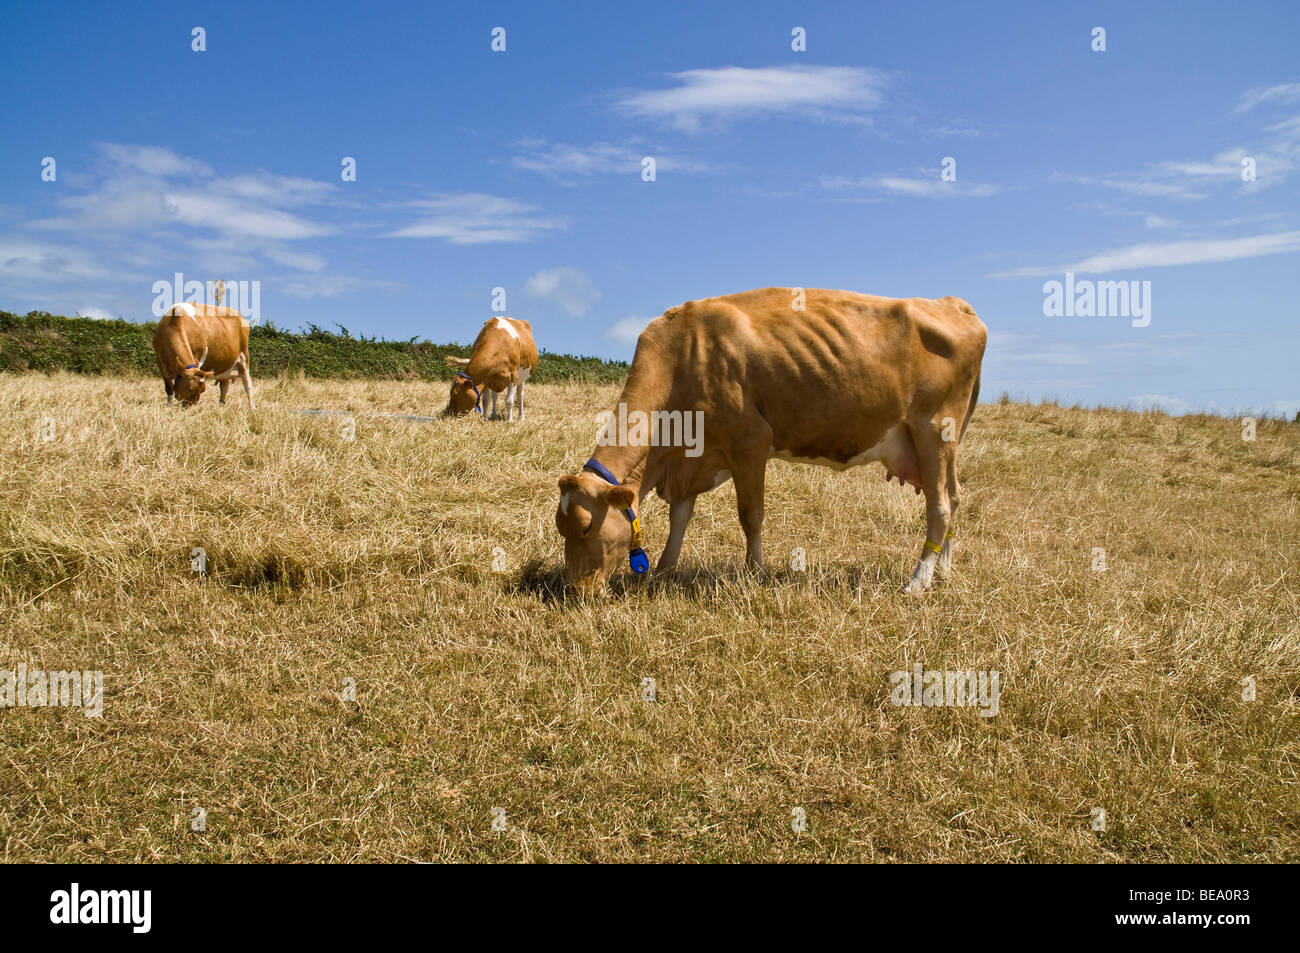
372, 560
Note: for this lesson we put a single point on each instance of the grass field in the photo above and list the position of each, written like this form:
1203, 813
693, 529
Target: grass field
421, 561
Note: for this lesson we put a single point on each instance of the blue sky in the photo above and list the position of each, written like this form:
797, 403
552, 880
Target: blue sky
522, 169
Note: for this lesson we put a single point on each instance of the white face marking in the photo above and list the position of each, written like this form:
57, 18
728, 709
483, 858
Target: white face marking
507, 327
564, 504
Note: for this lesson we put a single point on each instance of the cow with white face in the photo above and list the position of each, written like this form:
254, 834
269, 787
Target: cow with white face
832, 378
502, 359
219, 336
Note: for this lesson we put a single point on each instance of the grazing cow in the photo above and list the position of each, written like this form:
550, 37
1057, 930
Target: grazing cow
845, 380
504, 356
221, 334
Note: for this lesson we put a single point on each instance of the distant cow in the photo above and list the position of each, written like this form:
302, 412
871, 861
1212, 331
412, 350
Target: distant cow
219, 336
504, 356
844, 380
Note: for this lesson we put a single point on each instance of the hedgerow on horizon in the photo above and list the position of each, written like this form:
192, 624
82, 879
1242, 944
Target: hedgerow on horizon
40, 341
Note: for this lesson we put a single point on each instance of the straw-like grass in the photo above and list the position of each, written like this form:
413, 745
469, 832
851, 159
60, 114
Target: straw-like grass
421, 561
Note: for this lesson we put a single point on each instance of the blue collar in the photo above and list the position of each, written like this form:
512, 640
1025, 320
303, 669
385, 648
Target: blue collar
177, 379
477, 397
636, 556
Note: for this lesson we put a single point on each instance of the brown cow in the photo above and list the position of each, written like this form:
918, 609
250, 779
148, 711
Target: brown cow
504, 356
844, 380
221, 334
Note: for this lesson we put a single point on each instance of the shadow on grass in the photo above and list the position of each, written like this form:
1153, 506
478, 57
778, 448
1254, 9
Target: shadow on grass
545, 581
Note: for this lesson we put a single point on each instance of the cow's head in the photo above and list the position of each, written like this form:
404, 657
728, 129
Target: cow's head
464, 392
463, 398
592, 518
191, 382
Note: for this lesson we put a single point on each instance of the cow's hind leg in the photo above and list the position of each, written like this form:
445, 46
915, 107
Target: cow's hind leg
954, 499
247, 380
524, 374
935, 456
750, 478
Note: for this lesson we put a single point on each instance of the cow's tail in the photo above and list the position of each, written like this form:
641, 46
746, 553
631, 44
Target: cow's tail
974, 399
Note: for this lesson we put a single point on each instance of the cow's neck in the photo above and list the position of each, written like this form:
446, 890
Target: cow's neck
628, 465
645, 390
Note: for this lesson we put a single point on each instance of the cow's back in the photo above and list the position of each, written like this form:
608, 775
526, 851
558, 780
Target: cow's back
829, 378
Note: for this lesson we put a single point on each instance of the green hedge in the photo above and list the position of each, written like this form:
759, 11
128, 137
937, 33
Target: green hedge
40, 341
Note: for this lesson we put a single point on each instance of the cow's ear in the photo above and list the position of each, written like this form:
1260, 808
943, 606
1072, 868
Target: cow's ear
620, 496
568, 483
203, 373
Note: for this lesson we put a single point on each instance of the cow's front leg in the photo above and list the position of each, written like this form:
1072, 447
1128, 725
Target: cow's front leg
510, 396
679, 515
749, 480
222, 386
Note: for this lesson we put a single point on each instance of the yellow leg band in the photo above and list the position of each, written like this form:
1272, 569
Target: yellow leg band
949, 535
933, 547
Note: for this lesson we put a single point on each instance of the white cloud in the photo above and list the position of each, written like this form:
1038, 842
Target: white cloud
566, 163
1275, 151
1282, 93
570, 288
627, 330
1160, 255
149, 187
1163, 402
140, 213
154, 161
29, 261
474, 218
1133, 184
330, 286
841, 93
561, 160
930, 188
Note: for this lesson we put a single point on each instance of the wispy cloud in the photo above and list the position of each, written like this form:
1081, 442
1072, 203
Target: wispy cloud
146, 187
568, 163
1282, 93
139, 213
837, 93
1275, 151
627, 330
1167, 254
570, 288
475, 218
928, 187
